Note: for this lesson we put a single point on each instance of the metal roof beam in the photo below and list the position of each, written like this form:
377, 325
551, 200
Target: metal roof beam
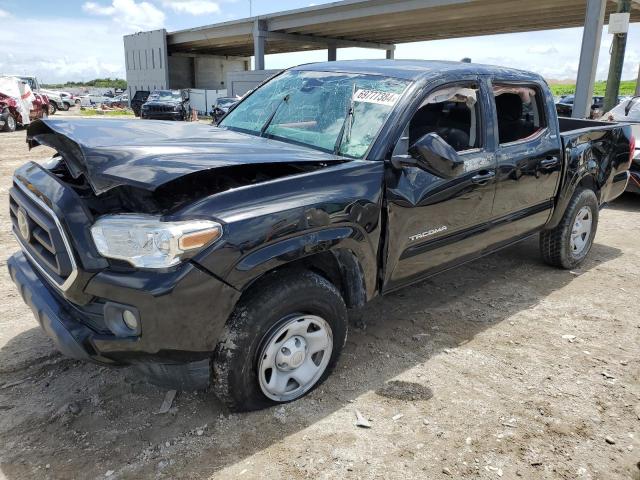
353, 10
327, 41
210, 34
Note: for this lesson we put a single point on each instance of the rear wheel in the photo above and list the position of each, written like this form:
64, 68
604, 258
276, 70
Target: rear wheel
281, 342
65, 106
53, 108
570, 241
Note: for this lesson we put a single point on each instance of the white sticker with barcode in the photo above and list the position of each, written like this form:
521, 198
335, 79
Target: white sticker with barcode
376, 96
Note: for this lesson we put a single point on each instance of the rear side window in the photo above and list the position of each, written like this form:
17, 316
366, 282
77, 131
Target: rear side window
519, 110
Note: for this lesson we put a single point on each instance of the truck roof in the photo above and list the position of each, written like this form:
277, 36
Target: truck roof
416, 69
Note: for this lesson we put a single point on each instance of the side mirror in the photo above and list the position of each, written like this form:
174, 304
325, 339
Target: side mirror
431, 153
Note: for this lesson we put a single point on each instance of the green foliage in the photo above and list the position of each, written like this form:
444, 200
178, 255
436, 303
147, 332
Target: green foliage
97, 83
627, 87
106, 113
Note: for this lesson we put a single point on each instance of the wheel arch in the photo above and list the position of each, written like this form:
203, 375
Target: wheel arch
333, 254
584, 180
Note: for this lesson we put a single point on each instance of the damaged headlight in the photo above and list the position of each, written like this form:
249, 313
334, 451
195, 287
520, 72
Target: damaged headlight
144, 241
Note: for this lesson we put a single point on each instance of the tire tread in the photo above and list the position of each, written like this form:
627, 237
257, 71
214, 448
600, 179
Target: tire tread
237, 393
553, 241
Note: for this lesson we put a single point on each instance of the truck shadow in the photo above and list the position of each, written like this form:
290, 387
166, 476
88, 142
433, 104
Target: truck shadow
84, 420
628, 202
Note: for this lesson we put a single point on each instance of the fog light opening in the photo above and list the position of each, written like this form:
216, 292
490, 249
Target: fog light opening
130, 320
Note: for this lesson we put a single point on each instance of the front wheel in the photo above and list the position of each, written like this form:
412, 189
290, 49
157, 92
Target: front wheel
568, 244
66, 106
281, 342
53, 108
9, 123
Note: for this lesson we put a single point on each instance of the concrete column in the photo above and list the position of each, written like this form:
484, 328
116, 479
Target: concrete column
390, 53
591, 36
259, 38
617, 62
332, 53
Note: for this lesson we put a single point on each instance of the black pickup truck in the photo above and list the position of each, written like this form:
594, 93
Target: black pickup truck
229, 256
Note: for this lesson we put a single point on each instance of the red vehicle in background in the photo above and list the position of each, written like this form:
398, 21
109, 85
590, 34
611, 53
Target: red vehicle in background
11, 113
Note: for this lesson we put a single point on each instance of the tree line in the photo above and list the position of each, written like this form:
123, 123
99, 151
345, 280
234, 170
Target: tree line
97, 82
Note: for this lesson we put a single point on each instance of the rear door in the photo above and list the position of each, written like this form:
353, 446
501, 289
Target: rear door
528, 155
433, 221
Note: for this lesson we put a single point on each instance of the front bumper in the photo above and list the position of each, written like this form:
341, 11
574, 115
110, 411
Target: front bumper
182, 314
69, 336
162, 115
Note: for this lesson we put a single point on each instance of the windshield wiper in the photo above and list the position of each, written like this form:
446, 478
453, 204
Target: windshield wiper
347, 123
273, 114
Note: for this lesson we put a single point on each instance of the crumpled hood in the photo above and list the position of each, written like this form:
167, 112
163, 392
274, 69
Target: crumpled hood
147, 154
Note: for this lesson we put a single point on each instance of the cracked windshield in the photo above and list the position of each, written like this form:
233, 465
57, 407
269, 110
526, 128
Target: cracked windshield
333, 112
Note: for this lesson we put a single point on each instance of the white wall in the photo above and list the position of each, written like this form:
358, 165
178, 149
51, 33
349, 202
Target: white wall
146, 61
202, 100
211, 71
239, 83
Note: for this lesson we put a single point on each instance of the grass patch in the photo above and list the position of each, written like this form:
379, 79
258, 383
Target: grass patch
106, 113
627, 87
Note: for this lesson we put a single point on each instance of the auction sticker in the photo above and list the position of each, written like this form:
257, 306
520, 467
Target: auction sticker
376, 96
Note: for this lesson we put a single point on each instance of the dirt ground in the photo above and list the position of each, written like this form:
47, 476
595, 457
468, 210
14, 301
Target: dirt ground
503, 368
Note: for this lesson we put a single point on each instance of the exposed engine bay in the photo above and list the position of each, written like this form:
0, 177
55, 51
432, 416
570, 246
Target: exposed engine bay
174, 194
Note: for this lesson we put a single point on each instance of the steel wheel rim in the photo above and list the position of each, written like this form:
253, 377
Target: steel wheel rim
581, 231
294, 357
11, 123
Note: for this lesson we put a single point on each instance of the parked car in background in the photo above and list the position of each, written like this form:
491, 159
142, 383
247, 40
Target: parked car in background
629, 111
231, 254
166, 105
69, 99
138, 99
564, 107
19, 105
53, 100
92, 99
222, 106
119, 101
57, 99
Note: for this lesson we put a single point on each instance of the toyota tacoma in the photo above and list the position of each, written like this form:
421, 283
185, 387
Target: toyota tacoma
229, 256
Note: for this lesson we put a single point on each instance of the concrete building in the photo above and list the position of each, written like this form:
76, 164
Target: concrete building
204, 55
150, 65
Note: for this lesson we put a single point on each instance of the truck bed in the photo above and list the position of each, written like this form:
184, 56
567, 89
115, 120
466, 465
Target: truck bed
600, 142
568, 125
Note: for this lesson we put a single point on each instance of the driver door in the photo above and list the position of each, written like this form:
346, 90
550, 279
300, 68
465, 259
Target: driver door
435, 222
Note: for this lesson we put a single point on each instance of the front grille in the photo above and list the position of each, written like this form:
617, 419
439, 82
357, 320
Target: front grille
39, 233
160, 108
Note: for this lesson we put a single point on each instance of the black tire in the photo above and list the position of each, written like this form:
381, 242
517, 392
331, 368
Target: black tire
269, 303
53, 108
65, 106
9, 122
555, 244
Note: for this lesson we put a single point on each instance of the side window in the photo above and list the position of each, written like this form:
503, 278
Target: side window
519, 110
452, 113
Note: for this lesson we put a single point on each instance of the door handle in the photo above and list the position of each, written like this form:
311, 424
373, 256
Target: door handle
483, 178
549, 162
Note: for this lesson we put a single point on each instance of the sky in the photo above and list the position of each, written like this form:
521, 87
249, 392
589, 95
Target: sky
72, 40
